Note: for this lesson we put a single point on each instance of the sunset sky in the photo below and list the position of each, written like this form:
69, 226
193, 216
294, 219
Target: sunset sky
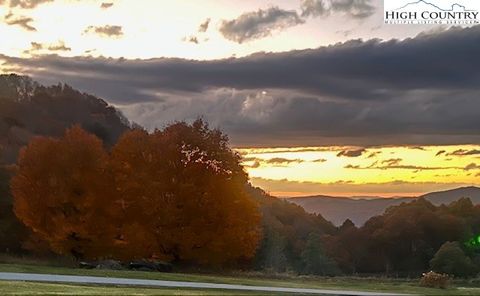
319, 97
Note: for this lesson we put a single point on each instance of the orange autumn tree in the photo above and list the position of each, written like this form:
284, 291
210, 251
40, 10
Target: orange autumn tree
62, 193
182, 193
177, 194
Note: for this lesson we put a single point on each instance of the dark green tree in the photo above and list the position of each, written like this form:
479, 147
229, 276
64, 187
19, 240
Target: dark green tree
451, 259
271, 254
314, 259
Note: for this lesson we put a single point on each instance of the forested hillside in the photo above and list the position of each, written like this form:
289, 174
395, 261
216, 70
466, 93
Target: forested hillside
28, 109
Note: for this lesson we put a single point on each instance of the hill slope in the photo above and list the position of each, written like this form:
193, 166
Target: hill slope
446, 197
338, 209
28, 109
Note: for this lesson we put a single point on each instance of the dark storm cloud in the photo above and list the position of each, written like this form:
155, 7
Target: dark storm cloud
106, 31
356, 70
440, 152
354, 8
418, 91
259, 24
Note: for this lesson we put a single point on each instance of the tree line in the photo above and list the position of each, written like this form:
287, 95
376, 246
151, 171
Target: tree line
181, 195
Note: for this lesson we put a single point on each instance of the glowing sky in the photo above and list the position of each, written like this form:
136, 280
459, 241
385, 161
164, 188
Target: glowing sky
153, 28
372, 103
347, 171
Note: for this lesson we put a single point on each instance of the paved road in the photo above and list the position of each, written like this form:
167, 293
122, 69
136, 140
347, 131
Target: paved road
52, 278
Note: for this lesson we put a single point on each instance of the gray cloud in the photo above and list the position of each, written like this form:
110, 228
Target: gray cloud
59, 47
463, 152
106, 31
373, 154
27, 4
392, 161
36, 47
276, 150
396, 165
192, 39
21, 21
352, 153
360, 93
354, 8
106, 5
280, 160
273, 161
259, 24
472, 166
204, 26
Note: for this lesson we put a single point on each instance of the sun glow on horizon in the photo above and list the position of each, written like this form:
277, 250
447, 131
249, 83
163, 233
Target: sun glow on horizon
356, 171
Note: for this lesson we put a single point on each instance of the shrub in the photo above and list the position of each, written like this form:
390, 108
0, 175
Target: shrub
435, 280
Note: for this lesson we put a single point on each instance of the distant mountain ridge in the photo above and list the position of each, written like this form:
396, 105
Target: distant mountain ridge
338, 209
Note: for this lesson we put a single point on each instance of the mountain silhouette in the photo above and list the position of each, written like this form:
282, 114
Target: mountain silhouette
452, 8
359, 210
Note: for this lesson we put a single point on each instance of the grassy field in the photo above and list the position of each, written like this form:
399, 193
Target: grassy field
340, 283
23, 288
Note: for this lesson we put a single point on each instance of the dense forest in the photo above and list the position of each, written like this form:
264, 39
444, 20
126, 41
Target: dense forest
78, 180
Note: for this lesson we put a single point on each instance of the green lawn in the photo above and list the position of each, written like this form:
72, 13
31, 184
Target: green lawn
341, 283
25, 288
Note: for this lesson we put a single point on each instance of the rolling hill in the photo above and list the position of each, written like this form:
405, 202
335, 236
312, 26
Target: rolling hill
359, 210
29, 109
